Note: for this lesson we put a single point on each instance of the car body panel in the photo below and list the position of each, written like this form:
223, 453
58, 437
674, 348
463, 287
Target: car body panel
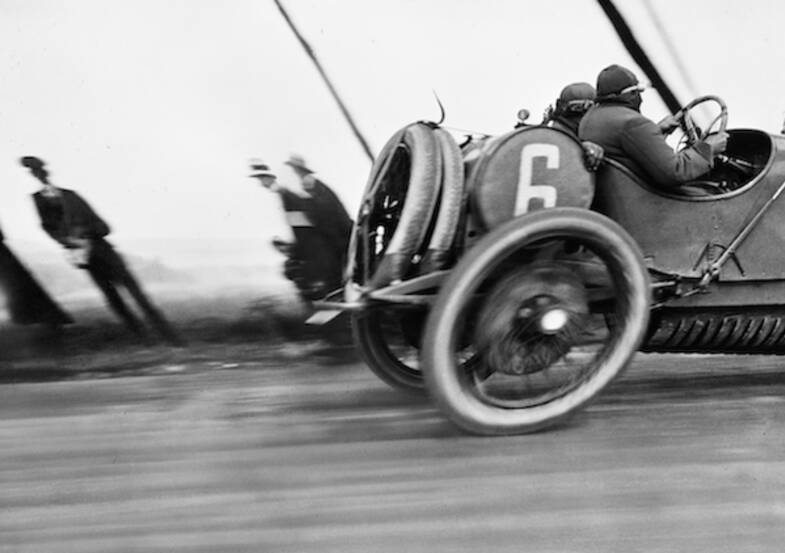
682, 235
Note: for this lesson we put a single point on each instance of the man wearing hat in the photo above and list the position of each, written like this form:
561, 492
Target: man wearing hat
70, 220
328, 211
573, 103
616, 124
267, 178
311, 261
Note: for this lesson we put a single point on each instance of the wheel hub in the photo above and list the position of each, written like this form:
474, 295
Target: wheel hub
553, 320
531, 319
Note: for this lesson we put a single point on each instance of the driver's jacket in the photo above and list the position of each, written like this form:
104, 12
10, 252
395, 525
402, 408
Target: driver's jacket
638, 144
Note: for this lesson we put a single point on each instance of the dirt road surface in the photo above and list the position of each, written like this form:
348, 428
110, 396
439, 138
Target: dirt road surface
293, 452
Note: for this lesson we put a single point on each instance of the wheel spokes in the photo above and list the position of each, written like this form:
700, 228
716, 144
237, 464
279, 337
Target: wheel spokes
522, 360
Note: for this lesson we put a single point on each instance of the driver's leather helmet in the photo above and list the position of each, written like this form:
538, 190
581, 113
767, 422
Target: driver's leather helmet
614, 81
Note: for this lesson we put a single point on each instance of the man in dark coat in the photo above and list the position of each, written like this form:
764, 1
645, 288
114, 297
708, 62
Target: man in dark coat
329, 213
616, 124
27, 302
574, 101
314, 260
70, 220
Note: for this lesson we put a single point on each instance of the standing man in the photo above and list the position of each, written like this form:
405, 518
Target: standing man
70, 220
638, 143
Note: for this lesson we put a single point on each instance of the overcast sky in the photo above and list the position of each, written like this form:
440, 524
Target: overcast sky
151, 108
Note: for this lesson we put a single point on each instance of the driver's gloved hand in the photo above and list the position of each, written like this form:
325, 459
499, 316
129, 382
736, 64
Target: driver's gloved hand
718, 142
668, 124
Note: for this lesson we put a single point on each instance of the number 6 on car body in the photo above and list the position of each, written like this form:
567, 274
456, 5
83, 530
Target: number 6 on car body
528, 191
531, 169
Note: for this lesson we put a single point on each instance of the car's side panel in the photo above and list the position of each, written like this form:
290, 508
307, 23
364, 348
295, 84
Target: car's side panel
679, 235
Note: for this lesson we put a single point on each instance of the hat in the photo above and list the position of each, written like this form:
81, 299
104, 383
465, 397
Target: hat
260, 169
614, 79
32, 162
296, 160
577, 91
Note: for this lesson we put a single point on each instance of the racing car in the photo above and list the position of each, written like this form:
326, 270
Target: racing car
513, 278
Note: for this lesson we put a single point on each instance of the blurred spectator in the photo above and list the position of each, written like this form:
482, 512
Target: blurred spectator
314, 260
330, 216
70, 220
27, 302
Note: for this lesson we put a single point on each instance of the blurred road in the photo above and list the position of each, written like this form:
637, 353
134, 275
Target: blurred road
683, 454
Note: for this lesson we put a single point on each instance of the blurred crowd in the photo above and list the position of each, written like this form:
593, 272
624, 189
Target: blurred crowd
314, 256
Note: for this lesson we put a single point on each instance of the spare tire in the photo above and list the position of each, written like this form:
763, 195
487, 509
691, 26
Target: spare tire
450, 202
397, 207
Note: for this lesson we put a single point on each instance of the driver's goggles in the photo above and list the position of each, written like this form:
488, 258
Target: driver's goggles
579, 106
639, 87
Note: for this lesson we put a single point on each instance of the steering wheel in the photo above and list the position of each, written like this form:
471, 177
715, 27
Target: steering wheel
692, 133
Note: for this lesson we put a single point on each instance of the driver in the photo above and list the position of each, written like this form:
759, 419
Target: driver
616, 124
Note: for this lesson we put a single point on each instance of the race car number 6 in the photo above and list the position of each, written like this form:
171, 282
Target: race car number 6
527, 190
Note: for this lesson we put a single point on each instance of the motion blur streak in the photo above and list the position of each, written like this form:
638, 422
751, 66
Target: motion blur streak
253, 452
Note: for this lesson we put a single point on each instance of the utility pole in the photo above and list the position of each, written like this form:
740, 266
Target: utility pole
323, 74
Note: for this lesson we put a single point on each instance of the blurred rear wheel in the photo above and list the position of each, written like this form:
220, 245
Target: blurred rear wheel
386, 340
525, 306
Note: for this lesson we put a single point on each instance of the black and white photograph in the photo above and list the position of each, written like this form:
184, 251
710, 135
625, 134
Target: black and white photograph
359, 276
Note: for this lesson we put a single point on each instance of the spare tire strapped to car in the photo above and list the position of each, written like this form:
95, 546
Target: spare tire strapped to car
380, 164
418, 143
416, 212
451, 199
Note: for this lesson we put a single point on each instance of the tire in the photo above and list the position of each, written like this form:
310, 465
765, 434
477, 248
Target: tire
419, 168
381, 343
526, 399
397, 207
438, 254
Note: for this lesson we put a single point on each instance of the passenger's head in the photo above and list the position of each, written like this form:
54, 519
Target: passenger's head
575, 99
37, 167
618, 84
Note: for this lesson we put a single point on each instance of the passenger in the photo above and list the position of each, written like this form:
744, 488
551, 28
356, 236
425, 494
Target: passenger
615, 123
573, 102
